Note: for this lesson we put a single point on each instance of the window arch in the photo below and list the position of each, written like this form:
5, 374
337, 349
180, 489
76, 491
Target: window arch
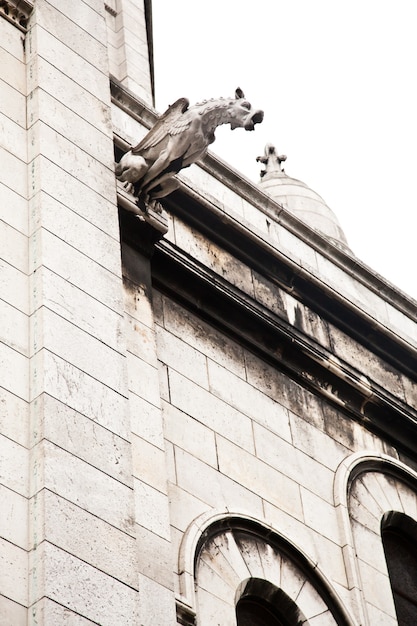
221, 551
399, 538
260, 603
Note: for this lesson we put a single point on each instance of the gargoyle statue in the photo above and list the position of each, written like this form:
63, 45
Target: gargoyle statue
179, 138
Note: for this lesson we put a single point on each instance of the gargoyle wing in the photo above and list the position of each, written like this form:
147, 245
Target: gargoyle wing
170, 122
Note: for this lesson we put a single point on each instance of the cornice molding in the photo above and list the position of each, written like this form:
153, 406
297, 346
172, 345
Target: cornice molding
258, 254
17, 12
278, 342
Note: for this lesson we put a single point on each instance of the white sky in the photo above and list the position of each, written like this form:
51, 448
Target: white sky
337, 83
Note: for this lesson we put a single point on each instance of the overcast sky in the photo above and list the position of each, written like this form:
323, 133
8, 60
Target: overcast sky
337, 83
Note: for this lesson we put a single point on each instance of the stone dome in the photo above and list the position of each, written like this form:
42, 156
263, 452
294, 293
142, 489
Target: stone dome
298, 198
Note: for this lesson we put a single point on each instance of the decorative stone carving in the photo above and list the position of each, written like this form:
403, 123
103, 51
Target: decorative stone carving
17, 12
179, 138
272, 160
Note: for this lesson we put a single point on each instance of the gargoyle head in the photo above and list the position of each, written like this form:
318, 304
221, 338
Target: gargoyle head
242, 113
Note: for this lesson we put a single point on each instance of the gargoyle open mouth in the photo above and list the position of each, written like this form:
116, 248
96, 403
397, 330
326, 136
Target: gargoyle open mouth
255, 118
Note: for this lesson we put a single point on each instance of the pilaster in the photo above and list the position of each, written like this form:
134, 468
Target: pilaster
156, 562
83, 556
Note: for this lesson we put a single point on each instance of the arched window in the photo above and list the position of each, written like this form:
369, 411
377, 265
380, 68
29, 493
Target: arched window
399, 538
262, 604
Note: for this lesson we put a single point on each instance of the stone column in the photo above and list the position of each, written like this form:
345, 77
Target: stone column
82, 535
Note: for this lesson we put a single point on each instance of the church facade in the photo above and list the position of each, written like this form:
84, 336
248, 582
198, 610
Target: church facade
208, 408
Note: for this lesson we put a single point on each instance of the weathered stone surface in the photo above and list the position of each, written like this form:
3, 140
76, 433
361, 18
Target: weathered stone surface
76, 268
14, 417
12, 612
13, 573
84, 589
78, 307
13, 137
211, 411
79, 391
152, 511
77, 231
149, 464
259, 477
219, 490
160, 612
18, 218
182, 357
14, 466
184, 507
189, 434
155, 559
281, 455
202, 336
49, 612
146, 420
87, 537
87, 487
14, 328
83, 437
13, 518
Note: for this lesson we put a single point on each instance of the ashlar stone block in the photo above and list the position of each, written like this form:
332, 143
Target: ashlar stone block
152, 509
189, 434
72, 96
218, 490
71, 158
184, 507
161, 612
149, 464
259, 477
146, 420
79, 391
203, 337
248, 399
70, 63
13, 518
281, 455
12, 137
86, 13
320, 515
155, 557
89, 538
87, 487
18, 218
181, 357
83, 437
14, 328
14, 246
13, 172
13, 572
14, 417
12, 70
11, 40
84, 589
12, 612
143, 379
70, 25
15, 371
211, 411
47, 611
73, 266
78, 307
78, 348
